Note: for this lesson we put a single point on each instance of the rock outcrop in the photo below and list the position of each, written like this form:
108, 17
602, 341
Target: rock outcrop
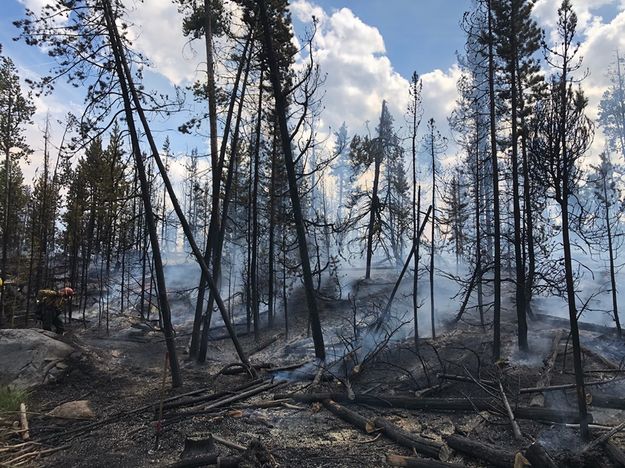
31, 357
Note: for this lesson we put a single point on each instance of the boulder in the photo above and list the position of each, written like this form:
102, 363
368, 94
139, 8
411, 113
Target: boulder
31, 357
79, 409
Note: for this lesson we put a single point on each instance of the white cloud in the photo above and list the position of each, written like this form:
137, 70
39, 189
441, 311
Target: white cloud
360, 76
157, 33
546, 11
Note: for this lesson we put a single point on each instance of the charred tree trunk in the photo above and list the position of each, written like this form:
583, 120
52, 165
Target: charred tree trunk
495, 175
232, 167
611, 254
254, 207
432, 232
375, 207
124, 80
281, 111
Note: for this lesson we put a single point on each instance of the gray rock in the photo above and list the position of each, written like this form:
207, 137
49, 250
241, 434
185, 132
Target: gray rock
31, 357
80, 409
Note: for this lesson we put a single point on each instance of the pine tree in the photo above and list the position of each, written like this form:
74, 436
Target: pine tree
16, 110
435, 145
607, 220
341, 169
566, 134
518, 39
612, 107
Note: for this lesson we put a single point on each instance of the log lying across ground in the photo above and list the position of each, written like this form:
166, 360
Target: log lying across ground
440, 404
481, 451
607, 401
412, 462
564, 323
419, 444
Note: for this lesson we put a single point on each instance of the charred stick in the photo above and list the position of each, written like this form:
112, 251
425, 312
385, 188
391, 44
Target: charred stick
515, 427
462, 378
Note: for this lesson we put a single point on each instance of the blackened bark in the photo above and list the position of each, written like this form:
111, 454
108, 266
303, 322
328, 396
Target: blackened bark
281, 111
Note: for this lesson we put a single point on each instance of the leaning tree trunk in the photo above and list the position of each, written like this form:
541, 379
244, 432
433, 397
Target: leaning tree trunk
228, 184
147, 203
216, 169
172, 195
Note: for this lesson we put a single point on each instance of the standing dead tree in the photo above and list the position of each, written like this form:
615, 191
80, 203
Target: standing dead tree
281, 114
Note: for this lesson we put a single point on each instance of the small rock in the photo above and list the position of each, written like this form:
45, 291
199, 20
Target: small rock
80, 409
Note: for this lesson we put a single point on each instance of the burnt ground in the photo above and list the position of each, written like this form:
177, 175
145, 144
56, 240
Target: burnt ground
121, 375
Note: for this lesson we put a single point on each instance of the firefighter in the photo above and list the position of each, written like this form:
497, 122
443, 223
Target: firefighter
50, 306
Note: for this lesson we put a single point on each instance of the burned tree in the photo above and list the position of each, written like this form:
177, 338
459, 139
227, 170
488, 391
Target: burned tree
564, 134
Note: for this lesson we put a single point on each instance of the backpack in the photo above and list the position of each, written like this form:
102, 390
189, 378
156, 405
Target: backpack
46, 298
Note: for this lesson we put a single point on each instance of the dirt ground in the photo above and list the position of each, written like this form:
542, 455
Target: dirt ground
121, 375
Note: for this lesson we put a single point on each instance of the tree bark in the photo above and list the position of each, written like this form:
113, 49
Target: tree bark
281, 111
495, 175
481, 451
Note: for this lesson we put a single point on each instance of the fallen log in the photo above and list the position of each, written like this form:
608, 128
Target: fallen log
412, 462
424, 446
616, 454
439, 404
350, 416
481, 451
607, 401
538, 456
605, 361
564, 323
208, 460
419, 444
545, 379
265, 344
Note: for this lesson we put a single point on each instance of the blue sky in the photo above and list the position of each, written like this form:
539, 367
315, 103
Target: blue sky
367, 48
421, 34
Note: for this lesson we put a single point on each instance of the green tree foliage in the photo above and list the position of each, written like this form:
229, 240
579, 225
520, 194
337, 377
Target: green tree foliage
612, 107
